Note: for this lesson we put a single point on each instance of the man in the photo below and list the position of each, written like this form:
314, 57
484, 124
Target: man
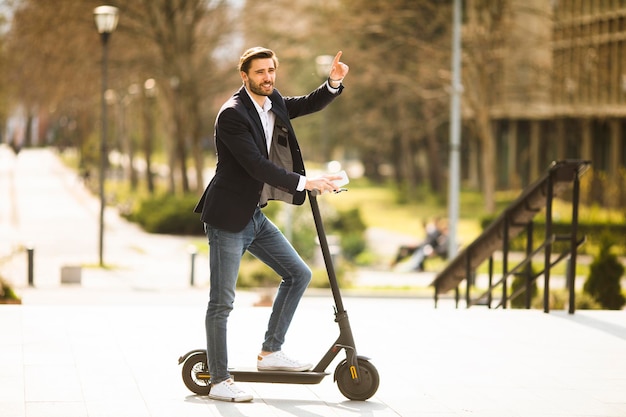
258, 159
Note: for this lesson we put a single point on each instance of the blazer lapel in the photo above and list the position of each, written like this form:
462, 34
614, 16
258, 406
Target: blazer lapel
259, 137
279, 109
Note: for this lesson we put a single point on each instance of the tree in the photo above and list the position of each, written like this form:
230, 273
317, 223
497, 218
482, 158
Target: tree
172, 41
402, 57
506, 73
395, 103
183, 36
392, 114
482, 43
50, 68
3, 66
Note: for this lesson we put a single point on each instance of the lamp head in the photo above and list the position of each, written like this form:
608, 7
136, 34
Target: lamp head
106, 18
323, 64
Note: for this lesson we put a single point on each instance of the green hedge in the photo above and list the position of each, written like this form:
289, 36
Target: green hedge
594, 231
168, 214
349, 225
171, 214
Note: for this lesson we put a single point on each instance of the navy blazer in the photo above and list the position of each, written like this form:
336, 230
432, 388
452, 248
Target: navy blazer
243, 166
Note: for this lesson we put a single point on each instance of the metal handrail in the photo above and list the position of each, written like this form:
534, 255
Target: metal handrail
509, 224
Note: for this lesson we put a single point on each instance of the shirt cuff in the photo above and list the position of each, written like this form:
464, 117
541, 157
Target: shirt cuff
332, 90
301, 183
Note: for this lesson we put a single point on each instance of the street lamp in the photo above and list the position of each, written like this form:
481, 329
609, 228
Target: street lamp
106, 21
455, 132
323, 65
149, 88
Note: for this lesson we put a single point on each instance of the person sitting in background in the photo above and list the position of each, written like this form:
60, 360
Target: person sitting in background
435, 244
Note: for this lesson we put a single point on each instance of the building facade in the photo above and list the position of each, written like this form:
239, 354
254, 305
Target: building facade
560, 89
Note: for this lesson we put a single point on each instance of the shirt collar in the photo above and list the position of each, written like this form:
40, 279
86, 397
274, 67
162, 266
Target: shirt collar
267, 106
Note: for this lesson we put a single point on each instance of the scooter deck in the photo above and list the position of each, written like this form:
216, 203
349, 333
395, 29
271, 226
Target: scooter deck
252, 375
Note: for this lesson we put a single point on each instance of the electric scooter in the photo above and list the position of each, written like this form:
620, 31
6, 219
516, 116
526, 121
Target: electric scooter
356, 377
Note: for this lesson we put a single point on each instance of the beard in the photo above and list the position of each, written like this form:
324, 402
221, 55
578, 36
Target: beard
260, 89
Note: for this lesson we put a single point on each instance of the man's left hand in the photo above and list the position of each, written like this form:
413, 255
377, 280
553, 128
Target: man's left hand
338, 70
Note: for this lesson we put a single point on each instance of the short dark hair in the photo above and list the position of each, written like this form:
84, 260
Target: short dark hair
255, 53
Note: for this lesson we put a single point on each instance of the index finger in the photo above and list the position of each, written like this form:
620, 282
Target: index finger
337, 58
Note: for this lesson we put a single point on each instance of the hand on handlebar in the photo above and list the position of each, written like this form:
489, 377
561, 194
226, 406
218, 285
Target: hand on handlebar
323, 183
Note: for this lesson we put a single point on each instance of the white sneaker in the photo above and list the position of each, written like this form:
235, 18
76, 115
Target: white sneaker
228, 391
278, 361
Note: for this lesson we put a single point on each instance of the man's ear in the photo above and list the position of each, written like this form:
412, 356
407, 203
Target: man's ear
244, 76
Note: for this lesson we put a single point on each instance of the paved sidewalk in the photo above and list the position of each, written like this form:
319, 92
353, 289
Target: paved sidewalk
109, 346
49, 209
117, 356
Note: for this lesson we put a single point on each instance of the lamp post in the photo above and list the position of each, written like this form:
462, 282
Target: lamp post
455, 132
106, 21
149, 88
323, 64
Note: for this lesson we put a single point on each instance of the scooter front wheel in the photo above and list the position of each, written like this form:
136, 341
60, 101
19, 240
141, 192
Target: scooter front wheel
367, 384
194, 364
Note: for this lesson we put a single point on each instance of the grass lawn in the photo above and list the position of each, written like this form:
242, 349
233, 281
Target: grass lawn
379, 208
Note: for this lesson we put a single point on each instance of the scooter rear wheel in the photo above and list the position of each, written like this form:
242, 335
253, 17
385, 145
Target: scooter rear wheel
193, 364
368, 380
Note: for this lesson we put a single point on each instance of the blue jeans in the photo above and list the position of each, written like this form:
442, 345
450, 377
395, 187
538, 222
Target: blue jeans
266, 242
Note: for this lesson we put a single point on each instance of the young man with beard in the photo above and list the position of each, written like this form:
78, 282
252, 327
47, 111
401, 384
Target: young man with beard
259, 159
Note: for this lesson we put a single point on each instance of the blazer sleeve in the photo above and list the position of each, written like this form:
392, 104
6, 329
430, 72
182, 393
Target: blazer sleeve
312, 102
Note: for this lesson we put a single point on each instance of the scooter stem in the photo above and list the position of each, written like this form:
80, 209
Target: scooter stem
328, 261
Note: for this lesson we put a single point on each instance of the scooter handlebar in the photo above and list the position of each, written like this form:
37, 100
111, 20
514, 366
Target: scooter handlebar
315, 192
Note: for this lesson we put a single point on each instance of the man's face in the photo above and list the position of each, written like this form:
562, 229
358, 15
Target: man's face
260, 77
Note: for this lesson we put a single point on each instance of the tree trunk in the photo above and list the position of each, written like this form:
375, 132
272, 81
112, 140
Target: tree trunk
181, 149
488, 163
432, 150
198, 154
148, 138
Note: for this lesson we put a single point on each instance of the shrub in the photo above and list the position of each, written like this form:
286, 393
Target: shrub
519, 281
352, 245
347, 224
168, 214
303, 239
7, 293
350, 226
603, 283
592, 230
559, 300
586, 302
300, 224
255, 274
